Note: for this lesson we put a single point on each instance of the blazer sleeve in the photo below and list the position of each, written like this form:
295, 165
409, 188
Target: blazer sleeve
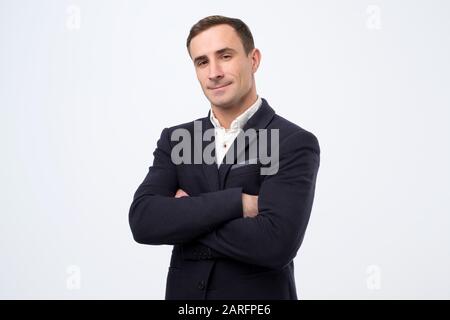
156, 217
273, 237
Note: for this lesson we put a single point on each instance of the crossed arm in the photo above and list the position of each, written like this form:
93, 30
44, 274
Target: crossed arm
266, 230
249, 203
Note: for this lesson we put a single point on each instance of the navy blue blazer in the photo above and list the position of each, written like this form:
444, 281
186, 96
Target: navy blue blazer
217, 253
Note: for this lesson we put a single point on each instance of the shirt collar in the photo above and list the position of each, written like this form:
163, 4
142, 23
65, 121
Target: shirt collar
240, 120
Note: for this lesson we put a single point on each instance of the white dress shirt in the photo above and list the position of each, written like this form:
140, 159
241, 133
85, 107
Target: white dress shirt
224, 137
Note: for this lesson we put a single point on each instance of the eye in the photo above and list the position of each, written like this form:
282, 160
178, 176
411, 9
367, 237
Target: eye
226, 56
201, 63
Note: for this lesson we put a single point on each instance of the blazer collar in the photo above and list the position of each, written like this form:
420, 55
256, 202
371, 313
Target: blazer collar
259, 120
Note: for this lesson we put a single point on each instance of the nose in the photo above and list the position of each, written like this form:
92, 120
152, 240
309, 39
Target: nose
215, 71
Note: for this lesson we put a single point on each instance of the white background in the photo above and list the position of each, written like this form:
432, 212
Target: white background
87, 86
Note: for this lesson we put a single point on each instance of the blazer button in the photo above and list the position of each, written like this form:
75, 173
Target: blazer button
201, 285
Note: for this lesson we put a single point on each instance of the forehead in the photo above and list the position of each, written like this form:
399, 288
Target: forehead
215, 38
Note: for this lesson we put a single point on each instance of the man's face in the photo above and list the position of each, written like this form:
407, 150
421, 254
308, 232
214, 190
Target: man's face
223, 69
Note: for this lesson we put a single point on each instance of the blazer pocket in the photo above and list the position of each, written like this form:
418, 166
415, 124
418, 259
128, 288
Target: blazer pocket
248, 177
249, 162
240, 169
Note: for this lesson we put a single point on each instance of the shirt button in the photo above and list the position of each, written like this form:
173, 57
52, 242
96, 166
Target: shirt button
201, 285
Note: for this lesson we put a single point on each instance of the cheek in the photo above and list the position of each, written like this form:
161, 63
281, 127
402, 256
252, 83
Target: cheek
245, 74
244, 79
201, 79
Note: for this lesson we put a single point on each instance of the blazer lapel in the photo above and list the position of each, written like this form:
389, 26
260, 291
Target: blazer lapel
260, 120
210, 170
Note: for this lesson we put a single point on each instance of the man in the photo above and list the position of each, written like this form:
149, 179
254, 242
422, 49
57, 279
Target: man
235, 230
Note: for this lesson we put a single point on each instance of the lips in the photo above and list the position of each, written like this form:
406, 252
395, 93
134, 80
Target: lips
219, 87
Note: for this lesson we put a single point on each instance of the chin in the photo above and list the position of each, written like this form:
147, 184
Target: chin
221, 102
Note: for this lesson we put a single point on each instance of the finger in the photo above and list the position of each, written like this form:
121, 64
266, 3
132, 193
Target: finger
180, 193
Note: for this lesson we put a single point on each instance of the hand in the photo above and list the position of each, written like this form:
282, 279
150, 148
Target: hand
180, 193
249, 205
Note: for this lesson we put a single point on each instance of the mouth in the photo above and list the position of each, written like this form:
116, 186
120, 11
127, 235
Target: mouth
220, 87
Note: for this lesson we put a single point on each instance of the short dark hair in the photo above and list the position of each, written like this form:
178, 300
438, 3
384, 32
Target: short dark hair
241, 28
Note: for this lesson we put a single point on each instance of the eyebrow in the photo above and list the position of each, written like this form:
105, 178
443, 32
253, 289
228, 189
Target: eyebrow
218, 52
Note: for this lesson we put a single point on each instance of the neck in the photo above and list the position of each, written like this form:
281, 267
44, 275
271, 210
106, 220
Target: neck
226, 115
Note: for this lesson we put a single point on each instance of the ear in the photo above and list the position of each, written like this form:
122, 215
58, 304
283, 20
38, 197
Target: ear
256, 59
